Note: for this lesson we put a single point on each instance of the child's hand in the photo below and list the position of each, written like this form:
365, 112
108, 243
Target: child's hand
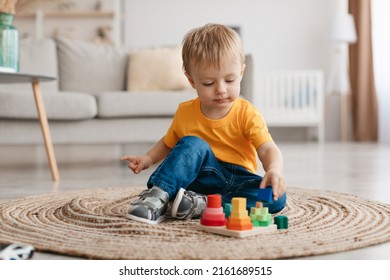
138, 163
274, 178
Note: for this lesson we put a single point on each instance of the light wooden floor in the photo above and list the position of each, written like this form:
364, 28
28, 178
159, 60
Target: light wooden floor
360, 169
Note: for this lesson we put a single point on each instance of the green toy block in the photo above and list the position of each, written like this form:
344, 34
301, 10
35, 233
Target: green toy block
264, 223
281, 222
256, 211
265, 217
264, 211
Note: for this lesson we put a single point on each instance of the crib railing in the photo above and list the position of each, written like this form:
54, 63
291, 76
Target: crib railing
292, 98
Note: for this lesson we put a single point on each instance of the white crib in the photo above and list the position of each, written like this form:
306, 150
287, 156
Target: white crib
292, 99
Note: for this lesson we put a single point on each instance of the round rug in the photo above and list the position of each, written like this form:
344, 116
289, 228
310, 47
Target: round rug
91, 224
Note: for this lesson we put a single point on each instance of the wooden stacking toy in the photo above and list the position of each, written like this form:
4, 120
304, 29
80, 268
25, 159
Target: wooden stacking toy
239, 223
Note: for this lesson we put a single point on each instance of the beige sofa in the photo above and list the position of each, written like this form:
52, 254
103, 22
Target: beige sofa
95, 98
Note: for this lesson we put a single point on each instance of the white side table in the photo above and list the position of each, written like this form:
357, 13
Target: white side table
34, 80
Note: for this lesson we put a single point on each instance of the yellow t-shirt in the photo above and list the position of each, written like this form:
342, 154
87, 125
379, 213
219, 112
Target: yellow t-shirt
233, 139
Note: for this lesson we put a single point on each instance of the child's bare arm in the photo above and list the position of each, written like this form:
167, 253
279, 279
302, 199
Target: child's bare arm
272, 160
138, 163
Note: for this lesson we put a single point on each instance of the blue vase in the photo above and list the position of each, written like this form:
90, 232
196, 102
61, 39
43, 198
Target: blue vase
9, 44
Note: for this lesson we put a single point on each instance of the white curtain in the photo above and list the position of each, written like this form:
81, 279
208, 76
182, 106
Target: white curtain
380, 10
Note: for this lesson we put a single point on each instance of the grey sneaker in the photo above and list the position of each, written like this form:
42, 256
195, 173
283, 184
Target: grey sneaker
188, 205
150, 207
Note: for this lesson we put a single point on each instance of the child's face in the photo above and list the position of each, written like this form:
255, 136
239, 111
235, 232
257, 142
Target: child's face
217, 87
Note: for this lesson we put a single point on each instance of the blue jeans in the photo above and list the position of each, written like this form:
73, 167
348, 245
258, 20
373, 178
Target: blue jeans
191, 165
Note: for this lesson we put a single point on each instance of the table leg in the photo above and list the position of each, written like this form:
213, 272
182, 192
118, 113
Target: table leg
45, 131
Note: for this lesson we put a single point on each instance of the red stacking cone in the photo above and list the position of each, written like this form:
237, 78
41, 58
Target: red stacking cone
213, 215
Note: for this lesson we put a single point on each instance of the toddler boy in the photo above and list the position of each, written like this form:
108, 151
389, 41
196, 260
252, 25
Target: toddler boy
214, 140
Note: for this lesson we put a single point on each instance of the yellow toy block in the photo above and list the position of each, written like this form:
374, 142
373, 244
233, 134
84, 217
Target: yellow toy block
239, 207
239, 219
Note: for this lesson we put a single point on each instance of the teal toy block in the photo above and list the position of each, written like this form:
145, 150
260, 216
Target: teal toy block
281, 222
265, 195
227, 209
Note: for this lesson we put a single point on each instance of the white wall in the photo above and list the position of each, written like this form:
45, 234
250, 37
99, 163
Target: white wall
280, 34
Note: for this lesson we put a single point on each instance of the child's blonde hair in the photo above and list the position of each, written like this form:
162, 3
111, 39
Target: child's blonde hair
211, 43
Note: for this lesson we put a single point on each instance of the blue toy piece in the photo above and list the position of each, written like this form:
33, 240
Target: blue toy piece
265, 195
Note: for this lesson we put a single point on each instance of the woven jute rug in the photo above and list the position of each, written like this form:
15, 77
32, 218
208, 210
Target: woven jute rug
91, 224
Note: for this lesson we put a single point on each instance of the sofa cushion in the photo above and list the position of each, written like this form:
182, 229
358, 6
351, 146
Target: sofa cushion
36, 57
59, 106
156, 69
89, 67
140, 104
